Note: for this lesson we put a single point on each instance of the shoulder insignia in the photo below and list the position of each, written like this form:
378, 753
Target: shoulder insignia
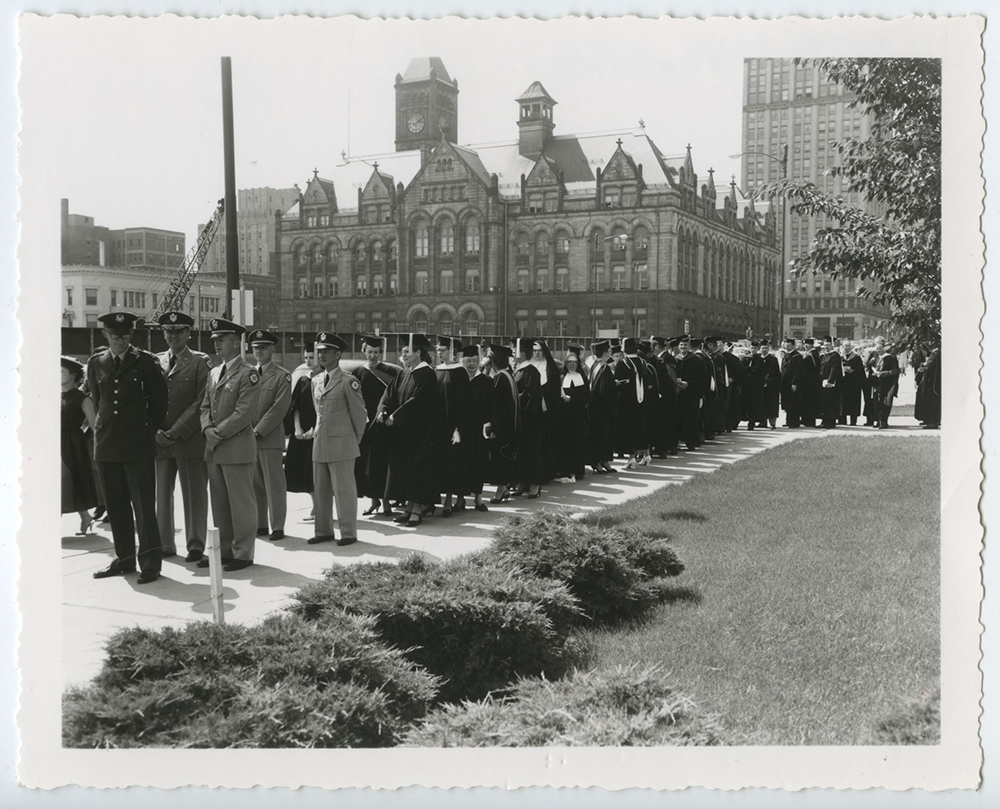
254, 377
208, 361
354, 384
288, 377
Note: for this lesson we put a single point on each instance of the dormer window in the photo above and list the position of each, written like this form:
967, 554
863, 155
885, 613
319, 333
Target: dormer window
311, 220
612, 198
534, 203
324, 220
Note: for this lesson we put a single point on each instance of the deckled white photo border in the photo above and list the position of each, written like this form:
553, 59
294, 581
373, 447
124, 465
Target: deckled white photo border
954, 763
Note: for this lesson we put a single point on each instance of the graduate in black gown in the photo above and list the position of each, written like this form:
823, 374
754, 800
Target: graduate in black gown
548, 373
504, 427
629, 440
772, 384
531, 446
754, 408
853, 384
602, 409
475, 417
927, 407
407, 410
453, 394
571, 420
372, 466
885, 385
692, 375
831, 374
791, 385
811, 403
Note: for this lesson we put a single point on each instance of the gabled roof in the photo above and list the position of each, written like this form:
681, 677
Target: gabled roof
420, 67
355, 172
473, 162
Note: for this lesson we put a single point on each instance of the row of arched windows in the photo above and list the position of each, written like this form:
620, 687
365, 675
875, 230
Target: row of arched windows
728, 273
445, 323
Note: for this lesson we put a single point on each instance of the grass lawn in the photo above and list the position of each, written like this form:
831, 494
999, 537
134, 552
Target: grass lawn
817, 567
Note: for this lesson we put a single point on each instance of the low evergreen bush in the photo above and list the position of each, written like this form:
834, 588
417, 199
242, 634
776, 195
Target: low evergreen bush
916, 722
623, 707
475, 624
616, 573
283, 683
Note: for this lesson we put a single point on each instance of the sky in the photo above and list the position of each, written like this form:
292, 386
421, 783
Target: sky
132, 112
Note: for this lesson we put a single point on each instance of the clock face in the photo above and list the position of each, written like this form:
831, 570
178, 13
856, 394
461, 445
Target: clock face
415, 122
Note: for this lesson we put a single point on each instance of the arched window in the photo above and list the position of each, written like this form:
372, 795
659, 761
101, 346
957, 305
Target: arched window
597, 241
470, 324
418, 322
523, 244
391, 250
360, 252
317, 255
562, 243
640, 239
471, 237
445, 323
618, 240
300, 255
420, 240
541, 244
447, 232
377, 251
331, 255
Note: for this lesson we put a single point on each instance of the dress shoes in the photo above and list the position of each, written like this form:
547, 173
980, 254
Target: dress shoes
237, 564
203, 562
114, 569
276, 535
194, 556
318, 539
262, 532
347, 541
148, 576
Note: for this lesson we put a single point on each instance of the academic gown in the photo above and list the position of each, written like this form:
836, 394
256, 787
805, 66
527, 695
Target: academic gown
531, 447
792, 376
453, 394
505, 427
476, 414
812, 406
927, 406
737, 381
831, 374
629, 381
602, 413
691, 369
410, 399
851, 386
372, 466
571, 428
772, 387
669, 392
755, 410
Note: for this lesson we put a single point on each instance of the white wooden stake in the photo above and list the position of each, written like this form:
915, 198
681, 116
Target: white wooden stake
214, 553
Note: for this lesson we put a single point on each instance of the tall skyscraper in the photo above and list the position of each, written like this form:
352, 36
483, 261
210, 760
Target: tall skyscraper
797, 106
255, 223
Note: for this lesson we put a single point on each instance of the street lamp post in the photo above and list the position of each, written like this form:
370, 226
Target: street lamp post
783, 161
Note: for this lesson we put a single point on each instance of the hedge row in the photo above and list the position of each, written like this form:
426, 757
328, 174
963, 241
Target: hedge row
283, 683
624, 707
362, 655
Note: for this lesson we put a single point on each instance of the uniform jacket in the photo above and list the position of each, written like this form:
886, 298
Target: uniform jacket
186, 389
340, 417
130, 404
229, 407
272, 406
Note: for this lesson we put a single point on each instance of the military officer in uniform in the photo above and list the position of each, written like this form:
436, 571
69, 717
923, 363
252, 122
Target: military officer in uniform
130, 398
268, 428
230, 448
180, 450
340, 425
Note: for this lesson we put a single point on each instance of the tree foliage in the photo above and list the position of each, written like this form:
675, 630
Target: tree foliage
896, 251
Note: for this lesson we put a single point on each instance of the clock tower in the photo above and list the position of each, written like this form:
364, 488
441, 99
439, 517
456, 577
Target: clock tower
426, 106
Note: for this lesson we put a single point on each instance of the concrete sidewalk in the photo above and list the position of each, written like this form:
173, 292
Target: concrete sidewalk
94, 609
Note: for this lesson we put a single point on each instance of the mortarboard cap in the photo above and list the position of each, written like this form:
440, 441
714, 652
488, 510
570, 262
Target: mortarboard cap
373, 341
470, 351
600, 347
500, 353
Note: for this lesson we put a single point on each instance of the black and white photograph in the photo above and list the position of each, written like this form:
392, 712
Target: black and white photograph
600, 388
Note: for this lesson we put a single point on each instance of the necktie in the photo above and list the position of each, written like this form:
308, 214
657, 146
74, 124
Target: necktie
173, 361
222, 373
326, 379
118, 363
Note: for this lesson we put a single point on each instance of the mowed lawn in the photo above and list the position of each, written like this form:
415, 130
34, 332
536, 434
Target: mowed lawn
817, 566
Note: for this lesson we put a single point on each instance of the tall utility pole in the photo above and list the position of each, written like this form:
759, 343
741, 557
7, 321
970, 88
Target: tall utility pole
229, 151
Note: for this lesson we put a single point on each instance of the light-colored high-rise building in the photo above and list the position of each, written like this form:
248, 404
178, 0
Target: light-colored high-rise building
255, 209
796, 105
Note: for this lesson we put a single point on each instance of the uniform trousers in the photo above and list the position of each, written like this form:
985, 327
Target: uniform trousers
234, 508
128, 486
336, 480
270, 489
193, 474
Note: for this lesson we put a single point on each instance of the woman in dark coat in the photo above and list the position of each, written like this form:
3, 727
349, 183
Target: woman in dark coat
407, 410
78, 491
571, 421
927, 406
504, 426
475, 417
852, 385
299, 424
531, 447
372, 465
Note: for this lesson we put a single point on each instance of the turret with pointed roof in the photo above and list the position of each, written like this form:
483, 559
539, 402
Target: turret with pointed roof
535, 122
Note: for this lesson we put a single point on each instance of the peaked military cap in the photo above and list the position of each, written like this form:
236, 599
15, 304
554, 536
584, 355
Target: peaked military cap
220, 327
262, 337
175, 320
118, 320
327, 339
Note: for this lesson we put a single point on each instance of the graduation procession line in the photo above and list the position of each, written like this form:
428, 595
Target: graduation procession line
91, 611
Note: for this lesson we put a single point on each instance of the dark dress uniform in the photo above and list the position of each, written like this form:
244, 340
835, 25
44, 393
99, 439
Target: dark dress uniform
850, 388
791, 388
831, 374
273, 404
410, 400
372, 466
130, 397
187, 375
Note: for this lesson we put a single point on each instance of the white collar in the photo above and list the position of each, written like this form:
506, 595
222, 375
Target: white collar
230, 364
421, 365
523, 364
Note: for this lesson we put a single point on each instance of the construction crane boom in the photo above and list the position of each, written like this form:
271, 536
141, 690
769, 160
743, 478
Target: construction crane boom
173, 298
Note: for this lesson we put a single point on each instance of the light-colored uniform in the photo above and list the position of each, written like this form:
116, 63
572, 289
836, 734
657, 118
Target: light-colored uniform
268, 427
228, 406
340, 424
185, 458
